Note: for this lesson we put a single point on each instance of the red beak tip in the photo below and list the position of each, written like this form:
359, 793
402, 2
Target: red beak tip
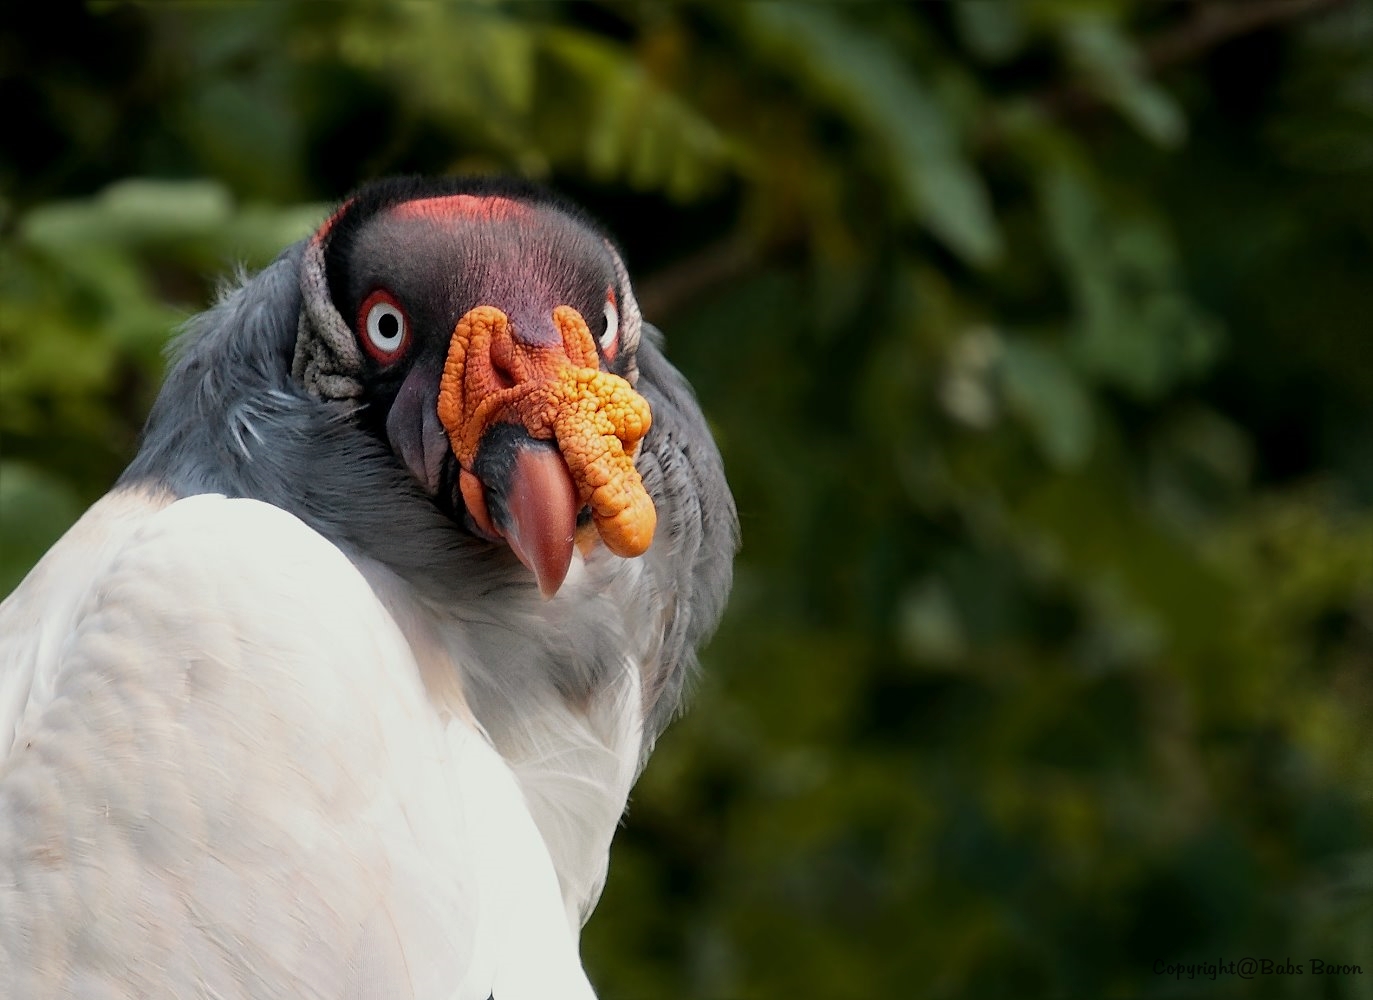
543, 517
549, 566
549, 587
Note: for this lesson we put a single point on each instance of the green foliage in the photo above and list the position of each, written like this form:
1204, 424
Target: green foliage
870, 86
1034, 335
89, 292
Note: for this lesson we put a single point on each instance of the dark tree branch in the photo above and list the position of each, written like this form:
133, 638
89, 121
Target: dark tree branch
1213, 23
667, 291
1216, 22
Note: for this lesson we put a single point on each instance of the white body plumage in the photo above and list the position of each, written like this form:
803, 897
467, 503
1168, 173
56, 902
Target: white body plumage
214, 660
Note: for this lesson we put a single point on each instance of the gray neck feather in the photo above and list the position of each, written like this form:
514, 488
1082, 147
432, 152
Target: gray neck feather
235, 417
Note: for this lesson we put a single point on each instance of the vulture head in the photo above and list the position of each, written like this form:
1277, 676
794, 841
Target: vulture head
451, 380
492, 333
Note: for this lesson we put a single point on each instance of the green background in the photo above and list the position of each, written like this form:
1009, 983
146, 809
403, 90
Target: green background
1036, 338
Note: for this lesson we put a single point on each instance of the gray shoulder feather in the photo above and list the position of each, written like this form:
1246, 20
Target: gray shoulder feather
231, 419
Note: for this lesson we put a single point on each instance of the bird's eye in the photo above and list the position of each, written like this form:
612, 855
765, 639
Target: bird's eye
612, 327
385, 330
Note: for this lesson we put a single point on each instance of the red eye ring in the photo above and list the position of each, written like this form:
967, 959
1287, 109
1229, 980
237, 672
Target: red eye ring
383, 327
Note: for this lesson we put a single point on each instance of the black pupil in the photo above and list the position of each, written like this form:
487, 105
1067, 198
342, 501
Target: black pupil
388, 325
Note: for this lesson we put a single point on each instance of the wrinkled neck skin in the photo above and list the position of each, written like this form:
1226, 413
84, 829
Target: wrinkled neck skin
549, 681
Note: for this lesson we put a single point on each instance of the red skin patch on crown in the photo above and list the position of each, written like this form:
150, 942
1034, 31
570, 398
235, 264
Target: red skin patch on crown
339, 213
489, 208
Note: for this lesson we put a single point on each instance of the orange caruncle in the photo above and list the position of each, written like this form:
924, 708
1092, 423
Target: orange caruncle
559, 394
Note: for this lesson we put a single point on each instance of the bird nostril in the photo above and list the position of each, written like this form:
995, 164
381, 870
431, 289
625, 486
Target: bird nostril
503, 364
504, 377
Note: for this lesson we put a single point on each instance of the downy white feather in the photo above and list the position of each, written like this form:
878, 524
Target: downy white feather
227, 774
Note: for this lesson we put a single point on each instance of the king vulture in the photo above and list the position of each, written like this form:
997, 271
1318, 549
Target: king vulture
341, 690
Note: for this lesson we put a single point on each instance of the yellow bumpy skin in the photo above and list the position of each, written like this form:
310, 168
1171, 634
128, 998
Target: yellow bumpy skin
559, 394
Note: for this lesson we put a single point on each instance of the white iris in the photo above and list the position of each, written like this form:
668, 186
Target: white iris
612, 325
385, 327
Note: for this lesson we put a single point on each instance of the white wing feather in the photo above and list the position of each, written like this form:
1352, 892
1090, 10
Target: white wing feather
226, 780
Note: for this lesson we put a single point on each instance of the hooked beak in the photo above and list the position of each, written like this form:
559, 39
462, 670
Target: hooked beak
522, 492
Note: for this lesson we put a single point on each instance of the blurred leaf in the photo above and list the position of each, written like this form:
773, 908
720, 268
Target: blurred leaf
1136, 328
468, 64
994, 31
139, 214
630, 128
130, 212
35, 509
1327, 125
1043, 391
1111, 68
930, 631
859, 75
